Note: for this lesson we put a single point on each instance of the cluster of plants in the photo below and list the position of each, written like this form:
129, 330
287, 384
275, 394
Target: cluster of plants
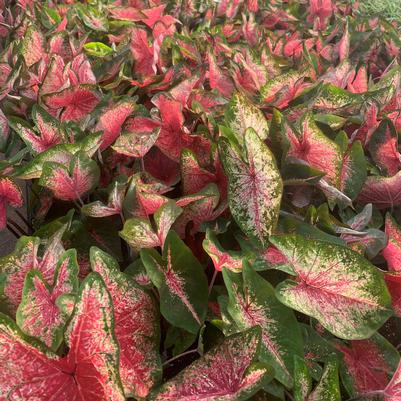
213, 195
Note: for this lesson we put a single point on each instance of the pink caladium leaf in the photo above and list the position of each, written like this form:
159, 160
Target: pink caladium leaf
114, 205
10, 194
142, 53
369, 364
139, 232
218, 79
383, 147
40, 314
337, 286
33, 48
383, 192
393, 281
4, 130
74, 103
181, 283
56, 78
161, 167
71, 182
252, 302
254, 185
392, 392
90, 370
221, 258
392, 252
49, 132
112, 120
136, 325
230, 368
311, 144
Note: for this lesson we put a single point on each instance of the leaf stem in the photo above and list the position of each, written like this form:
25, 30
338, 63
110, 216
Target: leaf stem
191, 351
17, 226
212, 281
22, 217
12, 231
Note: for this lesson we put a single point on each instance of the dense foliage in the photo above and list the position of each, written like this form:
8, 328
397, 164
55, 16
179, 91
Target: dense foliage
213, 193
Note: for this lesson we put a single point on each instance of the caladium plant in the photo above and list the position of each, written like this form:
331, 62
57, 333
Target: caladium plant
205, 198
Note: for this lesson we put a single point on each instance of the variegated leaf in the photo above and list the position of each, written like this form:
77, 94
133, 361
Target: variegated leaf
328, 388
136, 324
392, 252
335, 285
10, 194
229, 368
254, 186
33, 47
252, 302
181, 283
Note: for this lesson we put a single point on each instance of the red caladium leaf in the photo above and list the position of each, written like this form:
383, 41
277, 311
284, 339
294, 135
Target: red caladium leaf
75, 103
136, 324
56, 78
161, 167
254, 187
50, 133
392, 392
142, 52
393, 281
230, 371
369, 364
335, 285
112, 120
72, 182
33, 49
90, 370
383, 192
218, 79
392, 252
24, 258
383, 147
40, 312
10, 194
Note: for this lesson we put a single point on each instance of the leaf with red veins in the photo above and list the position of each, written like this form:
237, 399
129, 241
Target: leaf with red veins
392, 392
383, 147
80, 71
254, 185
369, 364
155, 14
76, 102
72, 182
56, 78
39, 314
383, 192
10, 194
220, 257
359, 83
335, 285
229, 369
193, 177
393, 281
392, 252
136, 324
136, 144
88, 373
114, 204
311, 144
181, 283
112, 120
218, 79
172, 138
142, 52
183, 90
162, 167
126, 13
252, 302
33, 47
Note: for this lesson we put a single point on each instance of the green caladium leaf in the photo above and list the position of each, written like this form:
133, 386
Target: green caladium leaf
255, 186
39, 314
328, 388
252, 302
136, 325
73, 181
241, 114
335, 285
302, 379
181, 283
232, 374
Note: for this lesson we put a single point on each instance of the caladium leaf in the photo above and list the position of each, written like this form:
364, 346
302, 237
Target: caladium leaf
112, 120
383, 192
242, 114
383, 147
73, 181
368, 364
252, 302
328, 388
75, 103
90, 370
393, 281
302, 379
181, 283
254, 186
10, 194
229, 368
136, 325
39, 314
32, 47
392, 252
337, 286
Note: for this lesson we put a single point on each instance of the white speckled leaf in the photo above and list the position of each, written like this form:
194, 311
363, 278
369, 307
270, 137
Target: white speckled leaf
254, 186
335, 285
328, 388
